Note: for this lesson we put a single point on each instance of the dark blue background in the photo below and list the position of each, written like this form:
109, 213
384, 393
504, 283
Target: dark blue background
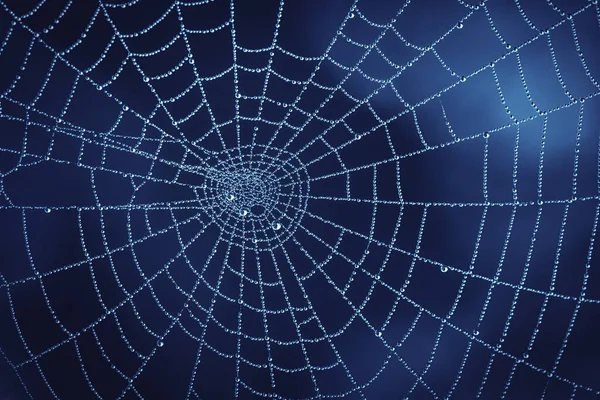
67, 163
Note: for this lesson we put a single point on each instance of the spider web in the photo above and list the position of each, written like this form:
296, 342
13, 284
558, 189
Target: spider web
214, 199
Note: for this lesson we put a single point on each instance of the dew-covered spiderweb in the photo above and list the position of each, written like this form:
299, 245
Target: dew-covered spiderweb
221, 199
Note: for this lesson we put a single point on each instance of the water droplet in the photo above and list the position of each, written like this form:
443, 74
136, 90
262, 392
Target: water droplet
351, 15
378, 334
486, 135
48, 210
160, 344
276, 226
125, 108
463, 78
475, 332
231, 197
244, 213
146, 79
444, 269
460, 25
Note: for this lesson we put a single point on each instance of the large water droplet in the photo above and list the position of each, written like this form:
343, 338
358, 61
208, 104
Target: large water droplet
276, 226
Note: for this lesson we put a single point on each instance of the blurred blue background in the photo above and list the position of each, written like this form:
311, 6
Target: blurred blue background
459, 208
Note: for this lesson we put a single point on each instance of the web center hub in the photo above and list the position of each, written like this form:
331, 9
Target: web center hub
256, 194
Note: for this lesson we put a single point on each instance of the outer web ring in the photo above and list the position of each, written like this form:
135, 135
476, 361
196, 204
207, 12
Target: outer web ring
257, 194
